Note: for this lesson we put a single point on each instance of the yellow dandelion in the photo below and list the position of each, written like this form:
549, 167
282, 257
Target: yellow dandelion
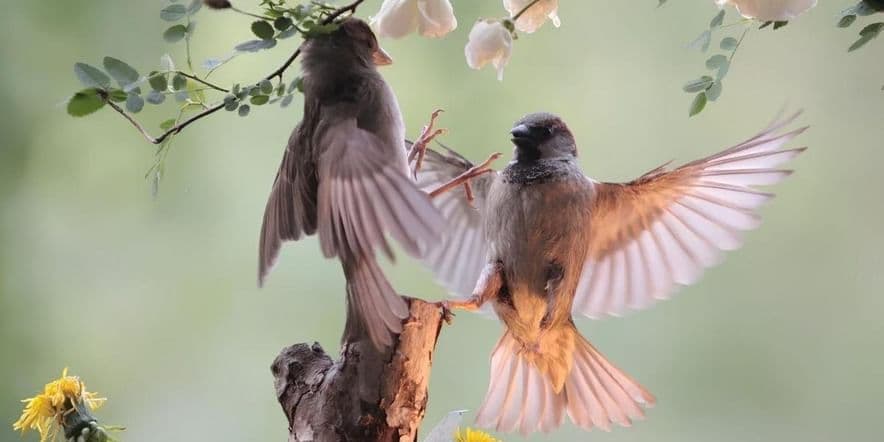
59, 398
471, 435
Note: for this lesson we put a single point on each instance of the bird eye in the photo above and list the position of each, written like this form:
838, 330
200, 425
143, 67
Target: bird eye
542, 131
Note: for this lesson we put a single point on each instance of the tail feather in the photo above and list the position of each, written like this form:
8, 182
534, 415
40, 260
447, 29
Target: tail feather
522, 397
374, 307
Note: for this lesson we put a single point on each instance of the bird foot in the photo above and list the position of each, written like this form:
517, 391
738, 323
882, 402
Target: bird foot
464, 178
447, 314
419, 147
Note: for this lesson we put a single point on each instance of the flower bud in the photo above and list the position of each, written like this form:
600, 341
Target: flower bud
769, 10
430, 18
489, 42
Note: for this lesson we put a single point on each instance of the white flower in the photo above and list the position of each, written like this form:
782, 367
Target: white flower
769, 10
536, 15
398, 18
490, 42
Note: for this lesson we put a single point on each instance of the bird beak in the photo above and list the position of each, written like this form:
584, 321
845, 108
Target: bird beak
520, 132
380, 57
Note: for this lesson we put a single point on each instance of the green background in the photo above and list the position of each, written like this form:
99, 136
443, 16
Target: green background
153, 301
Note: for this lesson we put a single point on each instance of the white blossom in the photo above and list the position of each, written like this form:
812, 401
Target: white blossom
489, 42
769, 10
430, 18
535, 16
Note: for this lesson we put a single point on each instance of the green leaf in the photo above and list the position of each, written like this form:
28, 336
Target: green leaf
117, 95
168, 124
134, 103
860, 43
255, 90
85, 102
91, 76
155, 97
717, 20
266, 86
122, 72
873, 29
258, 100
158, 81
729, 43
287, 33
286, 101
779, 24
700, 84
175, 33
179, 82
698, 104
244, 110
255, 45
282, 23
230, 103
702, 42
194, 7
846, 20
173, 12
715, 61
714, 91
263, 30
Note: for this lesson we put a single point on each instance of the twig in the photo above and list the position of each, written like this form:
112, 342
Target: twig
200, 80
211, 110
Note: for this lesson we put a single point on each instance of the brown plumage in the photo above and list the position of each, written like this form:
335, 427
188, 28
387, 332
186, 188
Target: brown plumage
344, 176
553, 243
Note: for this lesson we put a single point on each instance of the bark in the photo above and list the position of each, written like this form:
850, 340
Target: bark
366, 395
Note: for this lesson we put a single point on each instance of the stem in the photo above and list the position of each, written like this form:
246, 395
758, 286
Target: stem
528, 6
200, 80
739, 42
235, 9
212, 109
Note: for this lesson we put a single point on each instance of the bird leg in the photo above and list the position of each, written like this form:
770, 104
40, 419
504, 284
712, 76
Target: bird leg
419, 147
464, 178
554, 275
489, 285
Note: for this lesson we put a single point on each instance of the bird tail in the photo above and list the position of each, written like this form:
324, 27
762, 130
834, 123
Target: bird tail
374, 309
522, 394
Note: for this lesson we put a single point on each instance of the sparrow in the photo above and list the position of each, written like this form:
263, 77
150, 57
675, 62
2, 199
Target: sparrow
344, 175
545, 243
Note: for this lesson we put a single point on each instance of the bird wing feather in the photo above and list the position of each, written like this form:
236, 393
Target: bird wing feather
652, 235
458, 259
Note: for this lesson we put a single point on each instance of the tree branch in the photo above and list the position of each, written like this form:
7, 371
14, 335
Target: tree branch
366, 395
351, 8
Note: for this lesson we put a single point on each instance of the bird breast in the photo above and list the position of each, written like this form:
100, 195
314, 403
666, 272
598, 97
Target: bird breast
534, 227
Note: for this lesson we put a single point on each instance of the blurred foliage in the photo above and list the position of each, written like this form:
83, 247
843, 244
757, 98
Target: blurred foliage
780, 343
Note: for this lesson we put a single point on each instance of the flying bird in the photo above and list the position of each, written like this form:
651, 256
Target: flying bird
542, 242
344, 175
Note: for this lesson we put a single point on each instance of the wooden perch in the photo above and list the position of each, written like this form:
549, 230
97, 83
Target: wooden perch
366, 395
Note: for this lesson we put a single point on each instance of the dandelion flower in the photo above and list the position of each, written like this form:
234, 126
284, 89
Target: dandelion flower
471, 435
58, 398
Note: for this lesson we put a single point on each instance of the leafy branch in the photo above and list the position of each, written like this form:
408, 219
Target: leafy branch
119, 85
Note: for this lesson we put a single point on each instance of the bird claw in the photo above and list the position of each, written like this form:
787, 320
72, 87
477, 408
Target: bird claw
464, 178
419, 147
447, 314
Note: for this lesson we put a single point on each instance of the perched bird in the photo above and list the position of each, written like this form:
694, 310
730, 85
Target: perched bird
344, 175
544, 242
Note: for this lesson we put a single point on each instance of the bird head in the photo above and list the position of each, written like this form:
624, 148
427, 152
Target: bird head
353, 40
542, 136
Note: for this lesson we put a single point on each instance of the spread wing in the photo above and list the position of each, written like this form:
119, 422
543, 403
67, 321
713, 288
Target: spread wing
458, 259
661, 231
